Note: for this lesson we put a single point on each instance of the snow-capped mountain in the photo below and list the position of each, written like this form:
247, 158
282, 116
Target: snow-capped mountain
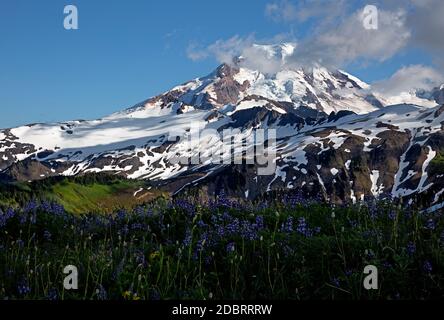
334, 137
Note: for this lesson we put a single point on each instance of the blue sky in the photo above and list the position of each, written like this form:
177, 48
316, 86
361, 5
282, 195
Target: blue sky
125, 52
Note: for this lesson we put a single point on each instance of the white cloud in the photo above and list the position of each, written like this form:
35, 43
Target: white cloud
283, 10
350, 41
223, 50
254, 56
195, 53
335, 47
427, 23
301, 11
340, 39
408, 78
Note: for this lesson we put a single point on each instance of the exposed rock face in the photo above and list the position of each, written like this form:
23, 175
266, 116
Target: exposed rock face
362, 149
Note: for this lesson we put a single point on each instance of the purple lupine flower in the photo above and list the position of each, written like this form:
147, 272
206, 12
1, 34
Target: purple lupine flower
124, 230
45, 206
202, 242
373, 211
230, 247
226, 216
233, 227
136, 226
208, 260
52, 294
188, 207
33, 218
441, 238
6, 216
23, 288
22, 219
121, 215
188, 238
392, 215
411, 249
303, 228
259, 223
47, 235
101, 293
220, 231
3, 220
201, 224
248, 231
430, 224
287, 226
336, 282
31, 206
140, 258
427, 267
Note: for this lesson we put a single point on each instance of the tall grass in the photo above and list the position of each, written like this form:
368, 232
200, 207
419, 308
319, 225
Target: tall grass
222, 250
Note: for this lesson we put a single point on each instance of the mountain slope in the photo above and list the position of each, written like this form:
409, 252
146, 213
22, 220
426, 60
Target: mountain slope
334, 137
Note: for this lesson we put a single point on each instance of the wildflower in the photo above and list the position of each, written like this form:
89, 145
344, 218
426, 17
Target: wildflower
233, 227
121, 215
188, 238
126, 295
154, 255
392, 215
247, 231
22, 219
430, 225
411, 249
140, 258
47, 235
23, 288
230, 247
31, 206
52, 294
259, 222
427, 267
202, 241
287, 226
201, 224
136, 226
101, 293
303, 227
336, 282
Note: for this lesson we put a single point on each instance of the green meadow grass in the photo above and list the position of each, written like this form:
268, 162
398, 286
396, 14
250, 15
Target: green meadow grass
78, 198
223, 250
95, 193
